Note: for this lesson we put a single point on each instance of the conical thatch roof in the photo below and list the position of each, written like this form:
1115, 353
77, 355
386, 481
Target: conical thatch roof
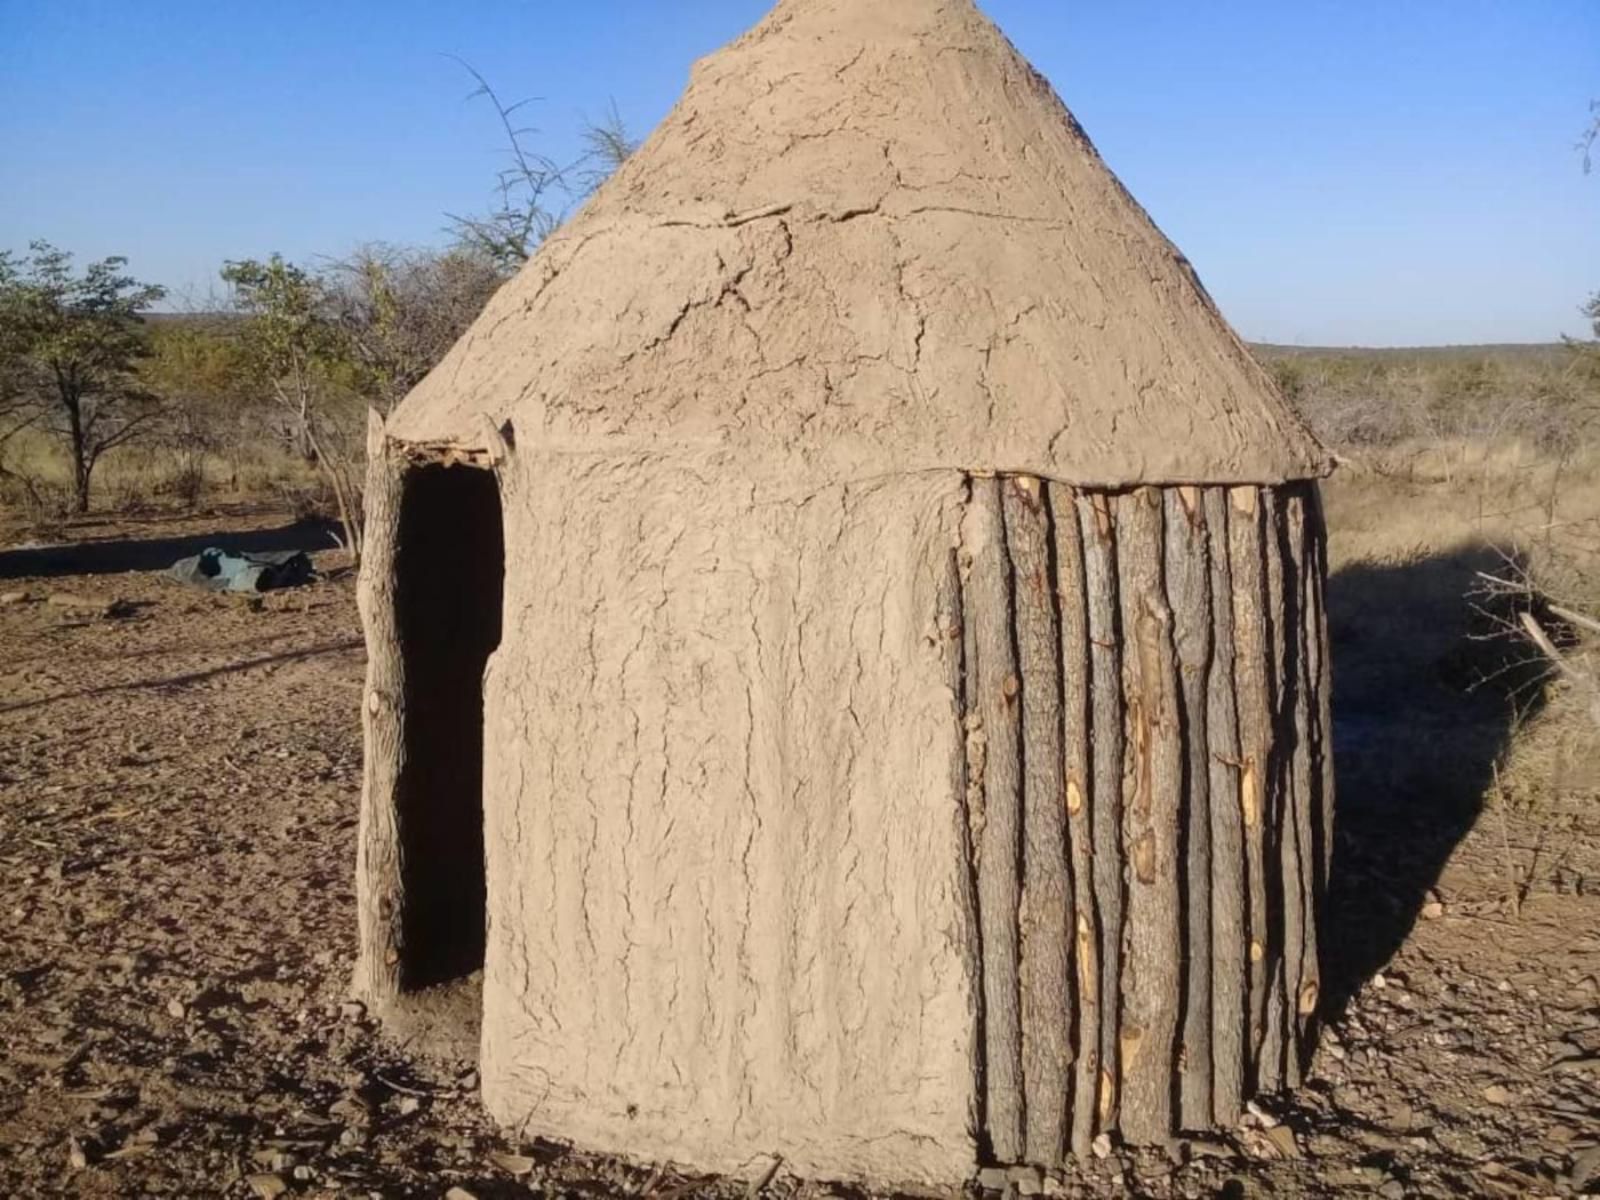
869, 239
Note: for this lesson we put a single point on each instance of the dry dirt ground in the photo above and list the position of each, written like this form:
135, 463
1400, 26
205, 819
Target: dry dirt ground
178, 793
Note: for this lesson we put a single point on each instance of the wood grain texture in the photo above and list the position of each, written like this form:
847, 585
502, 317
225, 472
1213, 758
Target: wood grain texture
1097, 526
1047, 918
997, 703
1077, 770
379, 890
1323, 725
1271, 1063
1152, 802
1300, 566
1188, 582
950, 627
1230, 935
1252, 651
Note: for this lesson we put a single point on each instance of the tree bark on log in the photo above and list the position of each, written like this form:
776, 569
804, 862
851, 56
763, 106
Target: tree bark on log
1230, 935
999, 842
1189, 597
1097, 527
1153, 801
950, 627
1322, 730
1246, 562
1047, 903
379, 887
1283, 940
1308, 987
1077, 769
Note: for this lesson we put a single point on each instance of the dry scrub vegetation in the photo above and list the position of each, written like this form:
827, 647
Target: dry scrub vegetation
1479, 467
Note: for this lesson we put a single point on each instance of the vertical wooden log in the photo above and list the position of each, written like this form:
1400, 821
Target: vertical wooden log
1283, 938
1097, 527
1247, 565
1047, 907
1077, 770
1230, 935
950, 628
999, 843
1323, 772
380, 892
1188, 580
1152, 803
1300, 565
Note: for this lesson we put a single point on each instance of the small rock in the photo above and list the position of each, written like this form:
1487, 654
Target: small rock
8, 598
1585, 1169
992, 1179
176, 1010
1263, 1118
1283, 1141
468, 1081
1495, 1094
267, 1187
303, 1174
459, 1193
1101, 1146
513, 1164
76, 1158
352, 1110
1432, 910
1029, 1181
1392, 1189
353, 1011
1379, 981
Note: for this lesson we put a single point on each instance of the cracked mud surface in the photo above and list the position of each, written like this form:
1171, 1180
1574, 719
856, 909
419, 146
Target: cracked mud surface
869, 238
178, 792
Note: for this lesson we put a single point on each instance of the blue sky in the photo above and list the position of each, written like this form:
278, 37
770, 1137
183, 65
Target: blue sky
1380, 172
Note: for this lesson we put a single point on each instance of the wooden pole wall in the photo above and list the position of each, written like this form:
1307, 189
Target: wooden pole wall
1145, 705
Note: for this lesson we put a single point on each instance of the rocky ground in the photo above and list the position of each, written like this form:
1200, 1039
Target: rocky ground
178, 788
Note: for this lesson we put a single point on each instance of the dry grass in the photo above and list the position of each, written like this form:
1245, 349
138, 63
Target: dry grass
145, 477
1434, 519
1460, 463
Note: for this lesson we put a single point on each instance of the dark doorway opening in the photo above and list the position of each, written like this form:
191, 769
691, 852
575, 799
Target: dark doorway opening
449, 576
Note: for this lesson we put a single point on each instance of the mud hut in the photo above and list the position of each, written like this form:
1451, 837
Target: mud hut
847, 660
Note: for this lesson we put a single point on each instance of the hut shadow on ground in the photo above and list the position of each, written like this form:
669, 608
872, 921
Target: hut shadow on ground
1423, 707
116, 555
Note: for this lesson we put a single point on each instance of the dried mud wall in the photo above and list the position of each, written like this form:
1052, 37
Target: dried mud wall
725, 846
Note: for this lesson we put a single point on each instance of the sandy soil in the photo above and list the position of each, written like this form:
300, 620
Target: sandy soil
178, 792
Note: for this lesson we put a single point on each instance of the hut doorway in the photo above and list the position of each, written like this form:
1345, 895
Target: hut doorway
449, 577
